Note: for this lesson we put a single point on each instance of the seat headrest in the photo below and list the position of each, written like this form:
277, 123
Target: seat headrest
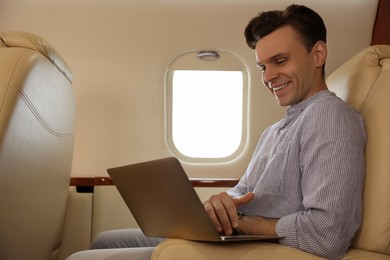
353, 80
34, 42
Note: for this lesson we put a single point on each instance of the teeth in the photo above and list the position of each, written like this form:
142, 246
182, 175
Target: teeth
280, 87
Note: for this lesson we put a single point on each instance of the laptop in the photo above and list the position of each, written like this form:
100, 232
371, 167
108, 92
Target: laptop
164, 203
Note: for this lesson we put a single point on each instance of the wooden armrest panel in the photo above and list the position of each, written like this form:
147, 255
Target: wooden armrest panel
90, 182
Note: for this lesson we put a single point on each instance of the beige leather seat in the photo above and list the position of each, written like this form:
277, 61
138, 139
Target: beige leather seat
37, 108
363, 82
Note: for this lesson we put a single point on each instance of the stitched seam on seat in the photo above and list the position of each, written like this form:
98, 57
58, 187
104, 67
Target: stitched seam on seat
40, 119
28, 102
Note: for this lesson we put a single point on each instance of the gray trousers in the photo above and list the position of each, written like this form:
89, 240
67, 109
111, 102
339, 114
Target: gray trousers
127, 238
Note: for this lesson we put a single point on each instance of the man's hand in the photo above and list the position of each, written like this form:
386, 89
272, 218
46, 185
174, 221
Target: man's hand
222, 210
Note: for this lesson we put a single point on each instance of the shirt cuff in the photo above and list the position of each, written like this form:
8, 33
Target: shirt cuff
286, 228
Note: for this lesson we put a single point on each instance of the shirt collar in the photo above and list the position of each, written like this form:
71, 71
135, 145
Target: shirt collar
301, 106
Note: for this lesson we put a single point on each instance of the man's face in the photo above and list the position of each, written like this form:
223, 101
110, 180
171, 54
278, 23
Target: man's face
290, 72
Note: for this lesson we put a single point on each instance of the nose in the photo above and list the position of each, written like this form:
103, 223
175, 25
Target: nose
269, 75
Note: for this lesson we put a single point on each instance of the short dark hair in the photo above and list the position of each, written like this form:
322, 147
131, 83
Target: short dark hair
306, 22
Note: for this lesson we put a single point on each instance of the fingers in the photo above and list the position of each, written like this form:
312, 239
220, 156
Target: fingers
244, 199
222, 212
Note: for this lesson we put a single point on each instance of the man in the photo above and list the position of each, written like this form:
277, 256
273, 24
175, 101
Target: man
306, 175
304, 182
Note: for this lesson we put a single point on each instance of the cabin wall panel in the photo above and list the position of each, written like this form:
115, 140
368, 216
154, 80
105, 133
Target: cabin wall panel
119, 51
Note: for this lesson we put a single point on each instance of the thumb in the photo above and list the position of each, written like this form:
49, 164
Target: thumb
244, 199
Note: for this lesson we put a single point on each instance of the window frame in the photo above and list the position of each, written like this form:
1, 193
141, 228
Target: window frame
189, 61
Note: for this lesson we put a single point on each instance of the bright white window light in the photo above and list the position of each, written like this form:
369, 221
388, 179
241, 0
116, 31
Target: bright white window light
207, 108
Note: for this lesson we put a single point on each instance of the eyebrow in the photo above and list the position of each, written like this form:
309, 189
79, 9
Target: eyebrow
274, 57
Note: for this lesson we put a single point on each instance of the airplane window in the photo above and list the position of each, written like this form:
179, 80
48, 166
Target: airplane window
206, 111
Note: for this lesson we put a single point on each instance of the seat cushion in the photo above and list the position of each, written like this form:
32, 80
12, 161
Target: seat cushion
183, 249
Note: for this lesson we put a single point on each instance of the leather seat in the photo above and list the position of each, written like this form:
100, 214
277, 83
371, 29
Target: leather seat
37, 110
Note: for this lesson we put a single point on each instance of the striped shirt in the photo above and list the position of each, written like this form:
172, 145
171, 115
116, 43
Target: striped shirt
308, 170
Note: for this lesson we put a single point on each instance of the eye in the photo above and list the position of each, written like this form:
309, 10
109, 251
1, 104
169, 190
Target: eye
261, 67
280, 61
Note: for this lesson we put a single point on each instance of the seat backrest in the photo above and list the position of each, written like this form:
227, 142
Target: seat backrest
364, 83
37, 108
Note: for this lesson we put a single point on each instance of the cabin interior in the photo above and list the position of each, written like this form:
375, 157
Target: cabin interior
115, 59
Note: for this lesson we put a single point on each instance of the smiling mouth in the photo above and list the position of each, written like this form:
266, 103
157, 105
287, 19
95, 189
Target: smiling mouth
280, 87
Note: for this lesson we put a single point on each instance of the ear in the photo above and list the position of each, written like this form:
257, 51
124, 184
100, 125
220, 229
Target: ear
320, 52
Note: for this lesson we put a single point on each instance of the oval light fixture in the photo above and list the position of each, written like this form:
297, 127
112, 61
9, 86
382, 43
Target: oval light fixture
207, 55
